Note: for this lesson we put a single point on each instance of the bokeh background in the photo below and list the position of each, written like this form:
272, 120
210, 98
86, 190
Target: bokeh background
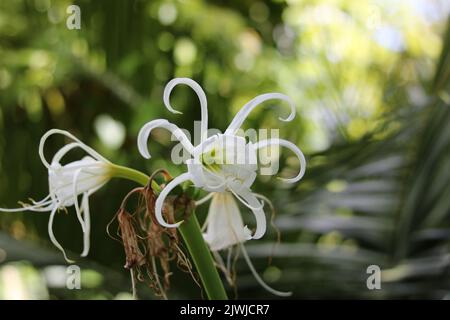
371, 84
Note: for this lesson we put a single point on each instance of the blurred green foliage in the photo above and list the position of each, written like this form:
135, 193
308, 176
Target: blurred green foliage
371, 82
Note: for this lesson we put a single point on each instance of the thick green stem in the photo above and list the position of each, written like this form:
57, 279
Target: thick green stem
133, 175
192, 236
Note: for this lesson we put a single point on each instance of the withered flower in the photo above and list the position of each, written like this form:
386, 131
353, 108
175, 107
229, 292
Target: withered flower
146, 242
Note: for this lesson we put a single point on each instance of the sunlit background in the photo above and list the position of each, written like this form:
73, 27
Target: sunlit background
371, 83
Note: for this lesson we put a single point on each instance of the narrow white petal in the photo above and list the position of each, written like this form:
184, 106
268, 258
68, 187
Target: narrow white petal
43, 205
82, 145
252, 104
201, 96
91, 166
162, 196
52, 236
75, 199
293, 148
87, 225
260, 217
263, 198
245, 203
204, 199
258, 278
63, 151
39, 206
46, 208
45, 200
145, 131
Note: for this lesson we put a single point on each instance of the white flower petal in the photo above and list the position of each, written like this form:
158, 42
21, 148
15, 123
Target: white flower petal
83, 146
90, 175
162, 196
245, 203
144, 134
43, 205
257, 210
75, 199
293, 148
46, 199
225, 227
252, 104
87, 225
201, 96
93, 167
204, 199
63, 151
52, 235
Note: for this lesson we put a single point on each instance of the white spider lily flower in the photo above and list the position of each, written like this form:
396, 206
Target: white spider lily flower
224, 165
69, 181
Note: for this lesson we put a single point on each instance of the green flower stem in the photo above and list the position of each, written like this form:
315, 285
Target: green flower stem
192, 236
133, 175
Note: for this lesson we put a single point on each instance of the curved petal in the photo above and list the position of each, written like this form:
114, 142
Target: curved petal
92, 167
87, 225
258, 278
204, 199
257, 210
52, 235
43, 205
144, 134
245, 203
63, 151
39, 207
252, 104
46, 199
293, 148
83, 146
201, 96
75, 199
162, 196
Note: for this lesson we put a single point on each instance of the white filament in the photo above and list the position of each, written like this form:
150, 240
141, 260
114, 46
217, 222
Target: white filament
259, 279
